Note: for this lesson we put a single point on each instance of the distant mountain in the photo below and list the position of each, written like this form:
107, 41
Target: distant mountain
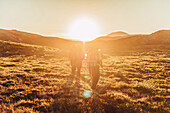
34, 39
159, 39
114, 36
113, 41
119, 33
161, 33
162, 36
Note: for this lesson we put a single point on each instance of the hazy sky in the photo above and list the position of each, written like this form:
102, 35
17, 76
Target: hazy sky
50, 17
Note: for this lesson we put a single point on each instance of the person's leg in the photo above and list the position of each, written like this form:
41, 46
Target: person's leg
70, 79
73, 69
77, 83
78, 71
95, 76
92, 76
90, 73
78, 75
90, 69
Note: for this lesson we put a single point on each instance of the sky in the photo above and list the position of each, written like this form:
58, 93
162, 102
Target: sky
54, 17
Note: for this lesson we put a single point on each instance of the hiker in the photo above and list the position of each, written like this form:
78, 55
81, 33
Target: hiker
76, 57
94, 59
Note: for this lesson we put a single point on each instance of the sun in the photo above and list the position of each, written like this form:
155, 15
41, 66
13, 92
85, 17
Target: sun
84, 29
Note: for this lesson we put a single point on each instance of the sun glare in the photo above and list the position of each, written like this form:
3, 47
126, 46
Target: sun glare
84, 29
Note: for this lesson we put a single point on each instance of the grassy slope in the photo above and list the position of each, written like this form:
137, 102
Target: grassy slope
36, 81
158, 40
34, 39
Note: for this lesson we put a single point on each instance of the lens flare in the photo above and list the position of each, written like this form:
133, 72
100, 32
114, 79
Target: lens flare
85, 56
86, 94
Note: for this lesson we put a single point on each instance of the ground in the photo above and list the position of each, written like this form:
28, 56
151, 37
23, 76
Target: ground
133, 82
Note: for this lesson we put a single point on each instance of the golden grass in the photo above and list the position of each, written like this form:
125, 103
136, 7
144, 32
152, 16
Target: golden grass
129, 83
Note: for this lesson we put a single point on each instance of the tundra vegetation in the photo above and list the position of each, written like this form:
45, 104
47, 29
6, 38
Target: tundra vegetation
34, 79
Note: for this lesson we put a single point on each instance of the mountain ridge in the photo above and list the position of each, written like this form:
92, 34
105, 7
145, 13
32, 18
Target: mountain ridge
34, 39
111, 41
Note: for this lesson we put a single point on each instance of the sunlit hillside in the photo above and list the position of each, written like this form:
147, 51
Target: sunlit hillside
34, 39
158, 40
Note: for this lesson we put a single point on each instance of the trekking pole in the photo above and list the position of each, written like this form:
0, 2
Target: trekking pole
91, 75
102, 68
102, 82
102, 71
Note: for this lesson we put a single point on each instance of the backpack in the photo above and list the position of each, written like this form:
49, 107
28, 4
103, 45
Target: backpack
76, 53
94, 55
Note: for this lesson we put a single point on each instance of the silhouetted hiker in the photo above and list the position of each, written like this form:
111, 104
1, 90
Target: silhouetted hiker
76, 56
94, 59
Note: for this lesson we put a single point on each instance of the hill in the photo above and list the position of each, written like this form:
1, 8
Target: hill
114, 36
116, 41
118, 33
8, 48
157, 40
162, 36
34, 39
